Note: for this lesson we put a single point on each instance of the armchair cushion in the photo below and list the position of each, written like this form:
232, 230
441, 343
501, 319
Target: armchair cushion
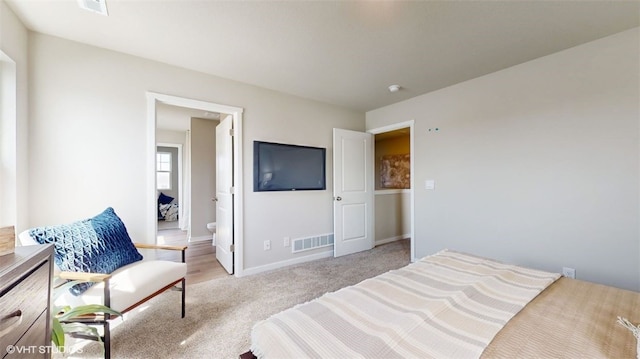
130, 284
96, 245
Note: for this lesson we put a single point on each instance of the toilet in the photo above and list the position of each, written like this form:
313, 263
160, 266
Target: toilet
212, 228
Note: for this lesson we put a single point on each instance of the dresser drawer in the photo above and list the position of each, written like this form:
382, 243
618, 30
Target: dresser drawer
33, 342
23, 304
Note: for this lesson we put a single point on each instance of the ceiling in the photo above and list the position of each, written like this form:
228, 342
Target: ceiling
345, 53
176, 118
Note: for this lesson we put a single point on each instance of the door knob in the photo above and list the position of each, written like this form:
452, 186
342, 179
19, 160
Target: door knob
338, 198
214, 199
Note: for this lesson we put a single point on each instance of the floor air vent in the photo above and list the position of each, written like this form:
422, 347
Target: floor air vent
308, 243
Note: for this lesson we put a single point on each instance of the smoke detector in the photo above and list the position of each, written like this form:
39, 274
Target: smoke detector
95, 6
394, 88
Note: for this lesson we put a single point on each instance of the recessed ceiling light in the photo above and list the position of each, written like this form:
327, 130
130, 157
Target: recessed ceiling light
95, 6
394, 88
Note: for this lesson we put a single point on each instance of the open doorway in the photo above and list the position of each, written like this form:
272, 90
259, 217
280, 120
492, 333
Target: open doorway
169, 169
394, 183
366, 214
156, 103
185, 172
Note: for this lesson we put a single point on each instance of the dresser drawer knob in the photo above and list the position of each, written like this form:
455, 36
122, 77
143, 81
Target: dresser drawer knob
10, 321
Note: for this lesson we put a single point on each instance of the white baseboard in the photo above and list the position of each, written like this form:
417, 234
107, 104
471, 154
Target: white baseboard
286, 263
309, 258
200, 238
392, 239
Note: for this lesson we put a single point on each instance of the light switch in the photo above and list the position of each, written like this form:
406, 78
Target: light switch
430, 184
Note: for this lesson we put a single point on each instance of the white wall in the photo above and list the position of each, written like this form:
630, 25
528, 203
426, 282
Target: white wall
536, 164
88, 141
169, 136
14, 43
296, 214
392, 206
392, 215
203, 176
8, 131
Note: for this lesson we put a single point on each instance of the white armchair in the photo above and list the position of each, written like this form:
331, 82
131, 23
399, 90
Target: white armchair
125, 288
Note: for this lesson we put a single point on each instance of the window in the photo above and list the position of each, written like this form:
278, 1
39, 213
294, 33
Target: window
163, 170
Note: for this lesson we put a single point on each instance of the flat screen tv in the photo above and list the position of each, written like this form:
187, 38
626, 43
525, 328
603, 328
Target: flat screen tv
282, 167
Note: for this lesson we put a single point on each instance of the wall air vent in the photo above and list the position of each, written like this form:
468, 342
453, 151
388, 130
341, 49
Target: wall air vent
308, 243
95, 6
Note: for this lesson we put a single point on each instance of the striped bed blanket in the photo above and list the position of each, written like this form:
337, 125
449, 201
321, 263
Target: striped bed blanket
447, 305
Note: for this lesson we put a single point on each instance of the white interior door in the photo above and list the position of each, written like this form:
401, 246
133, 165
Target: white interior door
224, 194
352, 191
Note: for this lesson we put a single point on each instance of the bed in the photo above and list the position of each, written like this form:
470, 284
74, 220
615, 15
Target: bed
455, 305
168, 212
167, 209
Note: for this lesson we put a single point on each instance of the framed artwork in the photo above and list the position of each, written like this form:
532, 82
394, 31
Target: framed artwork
395, 171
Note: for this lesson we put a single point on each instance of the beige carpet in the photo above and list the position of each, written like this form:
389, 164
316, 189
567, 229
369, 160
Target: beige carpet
220, 313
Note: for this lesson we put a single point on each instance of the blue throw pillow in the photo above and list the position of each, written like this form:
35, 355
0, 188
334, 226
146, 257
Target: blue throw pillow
164, 199
96, 245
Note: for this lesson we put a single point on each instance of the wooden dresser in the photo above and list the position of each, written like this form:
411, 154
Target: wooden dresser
25, 300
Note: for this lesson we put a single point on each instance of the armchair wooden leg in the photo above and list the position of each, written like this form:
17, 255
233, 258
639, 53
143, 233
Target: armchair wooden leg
184, 292
184, 287
107, 340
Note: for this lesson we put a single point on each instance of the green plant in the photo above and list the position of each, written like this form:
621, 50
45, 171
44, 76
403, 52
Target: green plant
63, 318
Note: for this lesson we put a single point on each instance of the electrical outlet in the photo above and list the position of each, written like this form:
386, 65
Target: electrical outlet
287, 241
267, 245
569, 272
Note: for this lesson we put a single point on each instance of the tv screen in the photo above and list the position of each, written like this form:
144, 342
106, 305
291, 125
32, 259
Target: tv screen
282, 167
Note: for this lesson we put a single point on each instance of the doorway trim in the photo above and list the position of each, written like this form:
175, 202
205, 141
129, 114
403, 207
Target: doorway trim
153, 99
397, 126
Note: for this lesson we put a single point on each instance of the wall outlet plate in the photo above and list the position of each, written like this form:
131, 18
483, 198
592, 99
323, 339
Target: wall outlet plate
569, 272
267, 245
